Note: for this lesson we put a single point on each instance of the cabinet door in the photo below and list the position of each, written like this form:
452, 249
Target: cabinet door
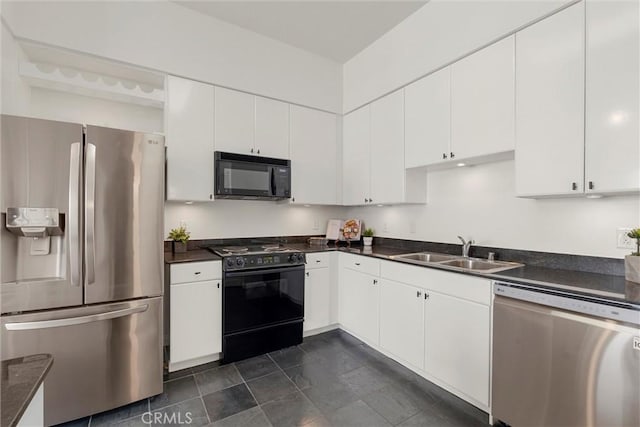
189, 129
196, 320
314, 156
483, 102
272, 128
235, 121
387, 149
402, 322
612, 150
550, 105
355, 156
456, 345
427, 104
317, 298
359, 299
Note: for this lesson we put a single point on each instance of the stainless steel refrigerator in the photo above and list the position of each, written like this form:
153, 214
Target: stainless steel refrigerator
82, 260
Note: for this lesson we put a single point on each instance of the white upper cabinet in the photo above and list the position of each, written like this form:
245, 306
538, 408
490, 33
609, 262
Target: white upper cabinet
313, 156
271, 128
355, 157
550, 105
483, 102
234, 124
189, 130
427, 104
387, 149
612, 147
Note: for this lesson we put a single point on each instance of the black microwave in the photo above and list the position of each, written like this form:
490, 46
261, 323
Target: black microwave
238, 176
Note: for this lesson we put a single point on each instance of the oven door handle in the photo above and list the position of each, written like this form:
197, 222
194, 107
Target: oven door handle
257, 272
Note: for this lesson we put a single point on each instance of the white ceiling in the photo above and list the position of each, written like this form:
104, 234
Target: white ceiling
334, 29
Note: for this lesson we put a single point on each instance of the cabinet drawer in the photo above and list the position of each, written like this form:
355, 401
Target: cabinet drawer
317, 260
459, 285
196, 271
360, 263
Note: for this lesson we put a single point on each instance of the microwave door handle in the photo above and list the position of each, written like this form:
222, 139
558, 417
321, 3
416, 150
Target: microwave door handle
273, 182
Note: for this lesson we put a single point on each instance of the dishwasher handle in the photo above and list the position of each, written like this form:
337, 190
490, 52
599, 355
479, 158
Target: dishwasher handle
568, 302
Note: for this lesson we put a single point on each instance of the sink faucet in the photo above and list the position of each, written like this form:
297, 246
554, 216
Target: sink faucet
465, 246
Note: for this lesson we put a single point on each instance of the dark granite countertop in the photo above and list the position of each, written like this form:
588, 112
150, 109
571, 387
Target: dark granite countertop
190, 256
21, 378
605, 286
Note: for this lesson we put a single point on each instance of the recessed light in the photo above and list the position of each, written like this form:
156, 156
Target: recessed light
188, 203
594, 196
461, 165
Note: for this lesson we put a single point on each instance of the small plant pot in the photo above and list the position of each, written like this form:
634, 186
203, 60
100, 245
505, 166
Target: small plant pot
179, 247
367, 241
632, 268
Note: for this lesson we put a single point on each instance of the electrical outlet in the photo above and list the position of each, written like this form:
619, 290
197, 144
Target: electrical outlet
624, 241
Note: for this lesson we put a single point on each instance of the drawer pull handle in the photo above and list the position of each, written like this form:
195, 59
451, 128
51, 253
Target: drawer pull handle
196, 273
317, 260
357, 263
307, 273
375, 282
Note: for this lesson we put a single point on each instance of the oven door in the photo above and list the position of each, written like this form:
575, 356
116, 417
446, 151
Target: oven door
258, 298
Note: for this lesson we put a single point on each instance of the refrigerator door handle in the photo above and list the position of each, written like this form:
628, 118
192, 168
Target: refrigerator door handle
90, 198
70, 321
73, 216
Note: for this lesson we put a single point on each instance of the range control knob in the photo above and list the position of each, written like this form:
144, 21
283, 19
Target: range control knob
296, 257
240, 262
230, 262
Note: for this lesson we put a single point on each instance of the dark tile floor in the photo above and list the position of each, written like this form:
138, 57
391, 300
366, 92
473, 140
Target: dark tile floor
332, 379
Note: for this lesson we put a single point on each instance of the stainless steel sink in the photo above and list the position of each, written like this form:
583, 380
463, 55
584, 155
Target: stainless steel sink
454, 262
424, 257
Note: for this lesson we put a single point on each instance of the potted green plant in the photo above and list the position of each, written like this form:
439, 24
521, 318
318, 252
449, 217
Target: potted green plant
632, 261
367, 236
180, 237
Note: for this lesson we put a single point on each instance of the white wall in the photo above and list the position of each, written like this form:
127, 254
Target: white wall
242, 218
479, 202
438, 33
164, 36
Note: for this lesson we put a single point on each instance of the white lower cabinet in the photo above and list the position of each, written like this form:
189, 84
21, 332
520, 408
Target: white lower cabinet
401, 321
317, 294
359, 299
437, 323
195, 318
457, 337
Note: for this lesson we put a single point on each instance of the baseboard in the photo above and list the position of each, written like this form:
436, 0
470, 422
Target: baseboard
177, 366
320, 330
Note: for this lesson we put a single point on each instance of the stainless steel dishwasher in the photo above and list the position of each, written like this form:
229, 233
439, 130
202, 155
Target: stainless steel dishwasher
561, 359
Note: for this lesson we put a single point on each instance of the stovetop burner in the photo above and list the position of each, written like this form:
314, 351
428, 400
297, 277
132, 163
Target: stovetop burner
248, 250
237, 258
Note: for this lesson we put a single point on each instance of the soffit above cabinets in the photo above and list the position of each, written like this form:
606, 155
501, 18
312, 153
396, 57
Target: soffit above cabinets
333, 29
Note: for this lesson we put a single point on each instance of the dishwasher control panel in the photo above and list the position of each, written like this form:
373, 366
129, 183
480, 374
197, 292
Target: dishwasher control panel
569, 302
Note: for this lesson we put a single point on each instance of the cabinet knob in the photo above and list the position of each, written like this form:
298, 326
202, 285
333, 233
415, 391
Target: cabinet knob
252, 150
370, 200
426, 295
218, 285
574, 186
258, 151
591, 186
375, 281
318, 261
357, 263
196, 273
418, 294
365, 200
444, 155
307, 273
210, 196
452, 155
293, 199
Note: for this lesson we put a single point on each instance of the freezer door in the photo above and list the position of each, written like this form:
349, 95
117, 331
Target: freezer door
104, 356
41, 168
554, 367
124, 198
